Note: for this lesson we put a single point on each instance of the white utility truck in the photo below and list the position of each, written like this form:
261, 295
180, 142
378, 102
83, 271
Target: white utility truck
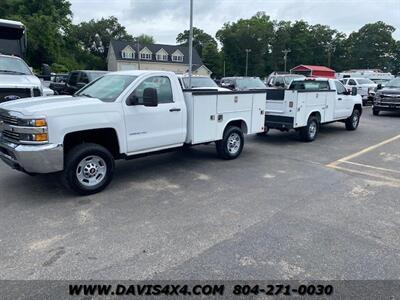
122, 115
310, 102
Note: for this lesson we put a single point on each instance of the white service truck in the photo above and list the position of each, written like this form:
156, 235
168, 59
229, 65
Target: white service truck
122, 115
310, 102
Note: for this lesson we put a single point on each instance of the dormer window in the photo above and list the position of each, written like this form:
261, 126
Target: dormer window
162, 55
128, 53
146, 54
177, 56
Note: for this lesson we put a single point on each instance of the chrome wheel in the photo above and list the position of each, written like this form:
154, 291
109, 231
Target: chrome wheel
91, 170
312, 129
234, 143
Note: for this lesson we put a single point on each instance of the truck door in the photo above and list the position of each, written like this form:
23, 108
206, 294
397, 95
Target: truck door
150, 128
343, 101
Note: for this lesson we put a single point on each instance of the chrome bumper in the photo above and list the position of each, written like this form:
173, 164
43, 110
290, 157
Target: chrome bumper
47, 158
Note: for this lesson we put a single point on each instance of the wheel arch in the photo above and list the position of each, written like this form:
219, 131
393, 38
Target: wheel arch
106, 137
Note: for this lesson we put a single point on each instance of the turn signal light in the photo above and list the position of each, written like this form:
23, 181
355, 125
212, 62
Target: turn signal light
39, 122
40, 137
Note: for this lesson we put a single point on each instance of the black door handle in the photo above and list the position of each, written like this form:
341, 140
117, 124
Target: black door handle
175, 109
339, 98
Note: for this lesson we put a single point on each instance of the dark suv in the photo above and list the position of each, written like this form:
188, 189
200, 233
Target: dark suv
387, 98
75, 81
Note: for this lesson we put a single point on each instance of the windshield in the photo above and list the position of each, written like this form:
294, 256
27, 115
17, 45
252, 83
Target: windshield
94, 75
107, 88
13, 65
250, 83
365, 81
380, 81
394, 83
199, 82
288, 79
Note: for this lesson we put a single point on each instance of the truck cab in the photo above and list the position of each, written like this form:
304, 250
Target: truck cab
309, 103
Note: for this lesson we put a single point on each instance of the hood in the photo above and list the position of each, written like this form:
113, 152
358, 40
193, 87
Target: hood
48, 106
11, 81
389, 91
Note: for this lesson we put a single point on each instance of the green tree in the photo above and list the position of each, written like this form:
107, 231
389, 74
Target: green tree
255, 34
145, 39
200, 40
372, 46
46, 21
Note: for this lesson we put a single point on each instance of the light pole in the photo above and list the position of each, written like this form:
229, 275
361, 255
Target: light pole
191, 44
285, 52
247, 59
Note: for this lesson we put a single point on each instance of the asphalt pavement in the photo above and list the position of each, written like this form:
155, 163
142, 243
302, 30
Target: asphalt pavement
283, 210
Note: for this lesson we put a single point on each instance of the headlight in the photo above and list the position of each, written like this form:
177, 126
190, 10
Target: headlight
33, 137
33, 122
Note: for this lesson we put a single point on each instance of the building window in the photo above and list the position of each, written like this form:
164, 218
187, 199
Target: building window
162, 57
177, 58
128, 55
145, 56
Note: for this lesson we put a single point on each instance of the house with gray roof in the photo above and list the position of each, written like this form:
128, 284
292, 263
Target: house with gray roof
123, 55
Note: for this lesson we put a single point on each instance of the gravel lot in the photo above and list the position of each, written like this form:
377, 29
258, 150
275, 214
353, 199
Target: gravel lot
283, 210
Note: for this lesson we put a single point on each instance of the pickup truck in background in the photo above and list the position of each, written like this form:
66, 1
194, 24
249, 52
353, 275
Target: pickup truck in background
122, 115
365, 88
75, 81
281, 80
309, 103
387, 98
200, 83
17, 80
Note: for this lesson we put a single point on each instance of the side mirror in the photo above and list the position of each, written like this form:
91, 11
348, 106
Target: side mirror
379, 87
353, 91
150, 97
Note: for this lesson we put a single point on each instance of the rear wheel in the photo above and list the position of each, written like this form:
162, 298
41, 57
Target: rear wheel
88, 169
353, 121
231, 144
310, 132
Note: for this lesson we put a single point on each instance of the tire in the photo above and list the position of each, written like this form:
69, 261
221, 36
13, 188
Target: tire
375, 112
231, 145
310, 132
88, 169
353, 121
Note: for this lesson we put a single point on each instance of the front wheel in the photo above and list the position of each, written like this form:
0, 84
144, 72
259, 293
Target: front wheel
231, 144
375, 112
89, 168
353, 121
310, 132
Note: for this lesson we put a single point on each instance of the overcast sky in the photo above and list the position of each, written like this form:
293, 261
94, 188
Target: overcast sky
164, 19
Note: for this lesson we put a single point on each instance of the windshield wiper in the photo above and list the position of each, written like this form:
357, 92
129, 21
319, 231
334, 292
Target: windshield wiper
13, 72
85, 95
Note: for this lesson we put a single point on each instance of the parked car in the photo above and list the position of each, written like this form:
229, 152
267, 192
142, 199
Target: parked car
309, 103
75, 81
17, 80
365, 87
199, 83
122, 115
242, 83
283, 81
57, 82
387, 98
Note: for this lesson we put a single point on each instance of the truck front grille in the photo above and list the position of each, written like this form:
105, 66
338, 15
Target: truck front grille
11, 136
8, 94
9, 119
390, 98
